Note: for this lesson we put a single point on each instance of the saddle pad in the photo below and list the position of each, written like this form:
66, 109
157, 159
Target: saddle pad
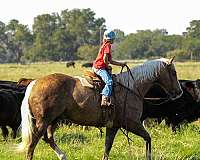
84, 82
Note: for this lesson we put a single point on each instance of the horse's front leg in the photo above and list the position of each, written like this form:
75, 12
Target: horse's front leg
138, 129
110, 135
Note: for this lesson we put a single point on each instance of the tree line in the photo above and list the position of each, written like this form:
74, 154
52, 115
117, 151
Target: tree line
76, 35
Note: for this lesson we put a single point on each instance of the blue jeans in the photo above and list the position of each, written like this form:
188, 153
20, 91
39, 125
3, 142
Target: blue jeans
107, 90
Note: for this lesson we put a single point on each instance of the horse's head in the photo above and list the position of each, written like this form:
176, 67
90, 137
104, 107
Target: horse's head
168, 79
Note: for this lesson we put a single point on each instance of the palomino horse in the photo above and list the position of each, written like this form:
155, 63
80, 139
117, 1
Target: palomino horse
59, 96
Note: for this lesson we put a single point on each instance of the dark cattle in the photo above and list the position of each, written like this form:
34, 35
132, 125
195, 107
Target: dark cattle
10, 115
8, 82
10, 100
87, 64
12, 87
70, 64
186, 108
24, 82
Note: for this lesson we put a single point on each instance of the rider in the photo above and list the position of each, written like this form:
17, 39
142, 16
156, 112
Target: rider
100, 65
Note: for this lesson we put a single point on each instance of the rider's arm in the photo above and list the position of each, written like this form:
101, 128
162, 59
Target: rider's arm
106, 59
122, 64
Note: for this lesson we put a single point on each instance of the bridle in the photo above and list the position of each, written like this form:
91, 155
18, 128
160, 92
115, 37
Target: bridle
156, 99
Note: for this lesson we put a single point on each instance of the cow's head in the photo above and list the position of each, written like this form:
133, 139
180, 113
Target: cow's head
193, 87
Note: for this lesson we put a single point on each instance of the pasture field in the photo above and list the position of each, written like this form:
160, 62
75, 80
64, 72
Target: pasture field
88, 145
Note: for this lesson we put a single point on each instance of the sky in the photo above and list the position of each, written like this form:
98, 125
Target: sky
126, 15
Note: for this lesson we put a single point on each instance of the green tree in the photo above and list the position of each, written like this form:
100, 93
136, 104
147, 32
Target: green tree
87, 52
17, 39
194, 29
63, 46
127, 49
178, 53
192, 46
3, 37
3, 42
120, 36
83, 26
44, 28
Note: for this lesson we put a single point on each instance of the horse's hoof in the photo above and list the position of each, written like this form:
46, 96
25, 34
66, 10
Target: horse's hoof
105, 158
63, 157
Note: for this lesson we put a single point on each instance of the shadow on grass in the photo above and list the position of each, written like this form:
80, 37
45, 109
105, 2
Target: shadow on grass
72, 138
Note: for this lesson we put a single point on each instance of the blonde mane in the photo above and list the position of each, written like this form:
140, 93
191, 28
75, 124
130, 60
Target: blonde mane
150, 70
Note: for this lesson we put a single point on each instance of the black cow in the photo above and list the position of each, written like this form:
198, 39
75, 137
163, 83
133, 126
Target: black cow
8, 82
185, 108
11, 97
10, 103
70, 64
12, 87
88, 64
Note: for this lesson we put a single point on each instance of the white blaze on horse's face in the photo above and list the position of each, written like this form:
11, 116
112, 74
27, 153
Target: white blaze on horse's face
170, 82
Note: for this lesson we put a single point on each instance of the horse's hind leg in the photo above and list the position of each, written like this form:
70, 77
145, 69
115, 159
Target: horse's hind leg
138, 129
36, 135
110, 135
48, 138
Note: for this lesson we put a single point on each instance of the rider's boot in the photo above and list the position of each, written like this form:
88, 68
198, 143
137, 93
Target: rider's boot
105, 101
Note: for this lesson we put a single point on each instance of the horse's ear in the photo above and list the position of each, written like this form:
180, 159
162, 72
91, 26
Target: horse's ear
171, 60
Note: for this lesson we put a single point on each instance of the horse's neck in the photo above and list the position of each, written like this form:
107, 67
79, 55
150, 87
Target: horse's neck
144, 88
139, 87
127, 82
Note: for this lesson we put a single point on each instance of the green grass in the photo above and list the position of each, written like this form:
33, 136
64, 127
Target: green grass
87, 145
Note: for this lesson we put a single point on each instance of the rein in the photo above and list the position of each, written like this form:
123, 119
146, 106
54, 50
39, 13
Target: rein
156, 99
125, 132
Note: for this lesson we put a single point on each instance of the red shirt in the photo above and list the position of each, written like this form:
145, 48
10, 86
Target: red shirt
105, 49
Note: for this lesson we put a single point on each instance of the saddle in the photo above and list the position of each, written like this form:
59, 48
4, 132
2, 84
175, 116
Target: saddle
94, 79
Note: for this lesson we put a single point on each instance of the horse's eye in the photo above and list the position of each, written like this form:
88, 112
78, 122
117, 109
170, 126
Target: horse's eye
174, 73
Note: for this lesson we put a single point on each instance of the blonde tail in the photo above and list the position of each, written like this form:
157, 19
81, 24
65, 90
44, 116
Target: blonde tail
26, 123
